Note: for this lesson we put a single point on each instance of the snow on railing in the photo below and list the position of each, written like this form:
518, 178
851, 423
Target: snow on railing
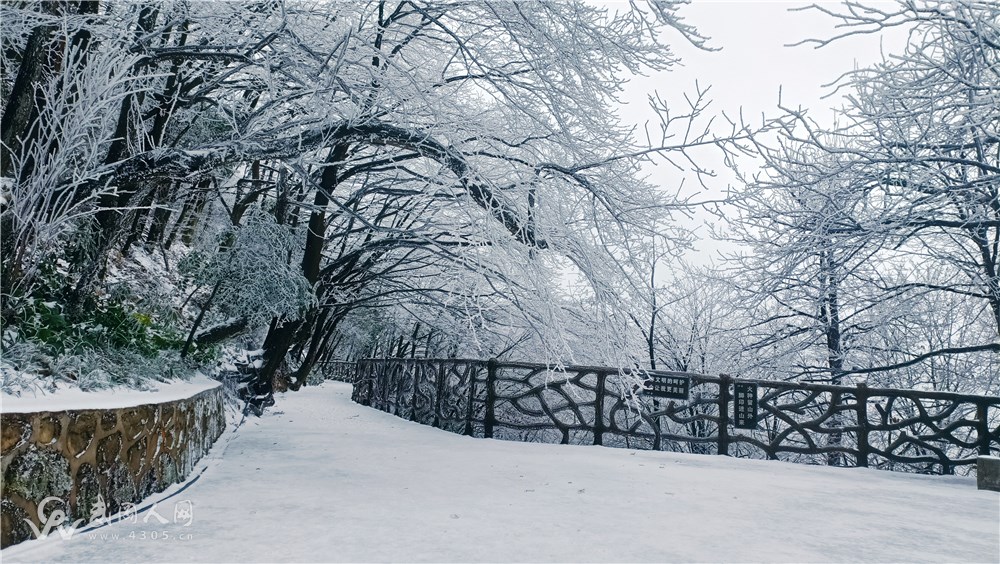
907, 430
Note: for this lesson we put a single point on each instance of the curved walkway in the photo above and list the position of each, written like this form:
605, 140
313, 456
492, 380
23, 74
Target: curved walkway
322, 479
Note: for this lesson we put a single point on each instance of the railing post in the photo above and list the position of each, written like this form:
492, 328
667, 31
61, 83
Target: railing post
381, 374
983, 428
861, 399
401, 387
491, 398
371, 383
725, 381
416, 384
390, 391
599, 409
473, 370
439, 387
398, 373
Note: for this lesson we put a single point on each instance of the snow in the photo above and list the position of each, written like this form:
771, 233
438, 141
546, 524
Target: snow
68, 397
322, 479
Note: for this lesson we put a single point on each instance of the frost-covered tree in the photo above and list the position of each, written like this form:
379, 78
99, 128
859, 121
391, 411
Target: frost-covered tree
404, 141
864, 232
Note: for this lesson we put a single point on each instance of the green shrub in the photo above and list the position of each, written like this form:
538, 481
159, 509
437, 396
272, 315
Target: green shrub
95, 322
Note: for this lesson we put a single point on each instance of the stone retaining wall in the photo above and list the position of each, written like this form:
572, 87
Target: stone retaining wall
116, 455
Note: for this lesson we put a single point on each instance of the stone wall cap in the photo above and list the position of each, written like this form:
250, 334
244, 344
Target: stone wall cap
74, 399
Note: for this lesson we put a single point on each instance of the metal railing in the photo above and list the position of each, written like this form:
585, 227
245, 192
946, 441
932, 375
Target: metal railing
908, 430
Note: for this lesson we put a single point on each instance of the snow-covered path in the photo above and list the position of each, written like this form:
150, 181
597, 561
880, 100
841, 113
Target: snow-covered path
322, 479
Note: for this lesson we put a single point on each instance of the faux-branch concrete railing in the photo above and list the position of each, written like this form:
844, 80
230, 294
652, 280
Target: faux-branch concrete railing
892, 429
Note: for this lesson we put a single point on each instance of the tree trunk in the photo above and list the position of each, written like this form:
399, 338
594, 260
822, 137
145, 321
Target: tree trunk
41, 59
161, 216
312, 353
23, 106
282, 335
107, 216
830, 317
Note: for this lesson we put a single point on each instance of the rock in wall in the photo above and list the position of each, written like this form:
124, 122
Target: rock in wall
116, 455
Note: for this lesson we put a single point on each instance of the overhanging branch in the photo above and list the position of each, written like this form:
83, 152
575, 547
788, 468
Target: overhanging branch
186, 163
920, 358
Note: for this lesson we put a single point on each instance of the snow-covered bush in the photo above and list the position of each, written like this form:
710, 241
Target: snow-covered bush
27, 367
250, 268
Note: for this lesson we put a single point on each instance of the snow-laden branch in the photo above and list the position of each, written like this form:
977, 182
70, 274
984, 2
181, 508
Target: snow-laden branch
190, 163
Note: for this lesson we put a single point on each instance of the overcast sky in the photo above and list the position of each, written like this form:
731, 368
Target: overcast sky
753, 65
755, 61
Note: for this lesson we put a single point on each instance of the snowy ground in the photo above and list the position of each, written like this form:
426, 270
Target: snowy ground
322, 479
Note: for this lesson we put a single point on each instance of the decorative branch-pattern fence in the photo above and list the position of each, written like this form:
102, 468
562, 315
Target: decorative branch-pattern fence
914, 431
337, 370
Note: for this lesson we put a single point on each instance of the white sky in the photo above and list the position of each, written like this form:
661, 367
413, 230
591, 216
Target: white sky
755, 62
753, 65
